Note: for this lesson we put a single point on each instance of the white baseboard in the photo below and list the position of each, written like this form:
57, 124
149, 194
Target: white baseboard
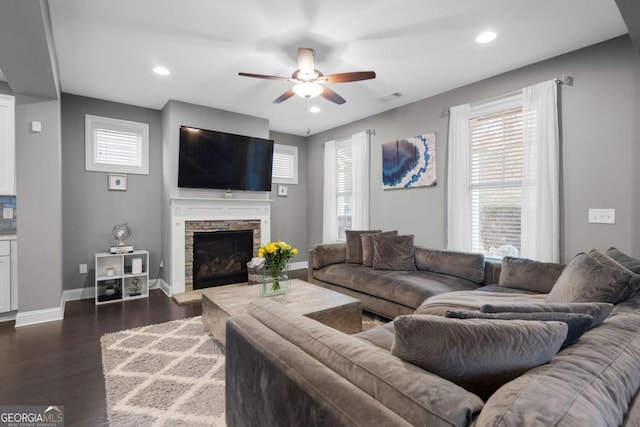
164, 287
34, 317
79, 293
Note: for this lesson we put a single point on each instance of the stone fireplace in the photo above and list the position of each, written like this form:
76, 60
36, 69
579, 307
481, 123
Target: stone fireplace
210, 216
216, 252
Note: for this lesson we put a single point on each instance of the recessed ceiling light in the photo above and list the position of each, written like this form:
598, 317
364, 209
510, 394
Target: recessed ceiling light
486, 37
162, 71
314, 109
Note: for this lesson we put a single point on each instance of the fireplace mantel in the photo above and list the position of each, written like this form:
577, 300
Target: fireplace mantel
210, 209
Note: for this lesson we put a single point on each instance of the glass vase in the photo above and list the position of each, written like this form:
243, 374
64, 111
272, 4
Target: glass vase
272, 286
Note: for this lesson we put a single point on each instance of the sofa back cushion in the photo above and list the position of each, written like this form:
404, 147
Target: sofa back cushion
522, 273
588, 384
585, 279
631, 263
354, 245
420, 397
477, 354
367, 246
393, 252
327, 254
465, 265
597, 310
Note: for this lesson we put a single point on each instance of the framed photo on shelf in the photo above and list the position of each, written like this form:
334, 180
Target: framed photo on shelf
117, 182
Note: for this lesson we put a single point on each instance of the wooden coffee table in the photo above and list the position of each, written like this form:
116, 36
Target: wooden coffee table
332, 308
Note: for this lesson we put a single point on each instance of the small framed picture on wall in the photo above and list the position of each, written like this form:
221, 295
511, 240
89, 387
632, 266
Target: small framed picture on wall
117, 182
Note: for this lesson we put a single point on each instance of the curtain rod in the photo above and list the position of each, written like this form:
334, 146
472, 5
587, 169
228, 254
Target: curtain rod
561, 80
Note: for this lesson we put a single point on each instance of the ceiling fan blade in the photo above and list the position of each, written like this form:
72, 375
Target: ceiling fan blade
288, 94
305, 61
332, 96
349, 77
262, 76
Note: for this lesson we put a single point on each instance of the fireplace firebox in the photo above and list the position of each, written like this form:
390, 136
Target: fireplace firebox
220, 257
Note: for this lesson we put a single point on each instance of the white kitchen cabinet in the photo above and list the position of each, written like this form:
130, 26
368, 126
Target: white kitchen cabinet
5, 277
7, 146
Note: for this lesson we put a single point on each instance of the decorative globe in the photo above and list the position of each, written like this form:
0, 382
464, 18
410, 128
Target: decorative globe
121, 232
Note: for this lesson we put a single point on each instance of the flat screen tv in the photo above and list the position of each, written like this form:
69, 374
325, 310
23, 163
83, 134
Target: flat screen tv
218, 160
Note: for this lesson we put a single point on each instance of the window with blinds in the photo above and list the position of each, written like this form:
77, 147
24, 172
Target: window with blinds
344, 202
496, 161
117, 146
285, 164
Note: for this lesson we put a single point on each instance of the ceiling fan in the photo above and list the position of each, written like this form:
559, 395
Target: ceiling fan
309, 81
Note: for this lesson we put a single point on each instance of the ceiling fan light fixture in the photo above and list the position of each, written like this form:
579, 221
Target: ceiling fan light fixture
307, 90
314, 109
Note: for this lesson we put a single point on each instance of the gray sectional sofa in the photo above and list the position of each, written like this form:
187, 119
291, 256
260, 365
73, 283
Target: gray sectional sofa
390, 293
440, 366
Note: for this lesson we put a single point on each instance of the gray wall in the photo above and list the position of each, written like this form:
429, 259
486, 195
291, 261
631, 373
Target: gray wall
600, 150
89, 209
289, 214
5, 89
175, 114
39, 188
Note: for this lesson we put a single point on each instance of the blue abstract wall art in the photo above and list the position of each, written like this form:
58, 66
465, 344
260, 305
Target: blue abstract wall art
409, 162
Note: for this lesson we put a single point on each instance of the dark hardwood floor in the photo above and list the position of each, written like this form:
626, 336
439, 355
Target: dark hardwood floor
60, 363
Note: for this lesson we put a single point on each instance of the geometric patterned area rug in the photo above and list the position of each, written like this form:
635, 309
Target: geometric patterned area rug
169, 374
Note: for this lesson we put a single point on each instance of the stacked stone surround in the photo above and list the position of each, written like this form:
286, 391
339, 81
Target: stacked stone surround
192, 227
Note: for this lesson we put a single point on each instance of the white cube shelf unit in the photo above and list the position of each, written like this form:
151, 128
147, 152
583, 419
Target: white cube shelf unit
121, 277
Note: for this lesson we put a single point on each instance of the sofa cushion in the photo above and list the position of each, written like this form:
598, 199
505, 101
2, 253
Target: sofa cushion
471, 300
577, 323
420, 397
393, 252
588, 384
522, 273
587, 280
409, 288
328, 254
634, 282
367, 246
631, 263
465, 265
382, 336
597, 310
477, 354
354, 244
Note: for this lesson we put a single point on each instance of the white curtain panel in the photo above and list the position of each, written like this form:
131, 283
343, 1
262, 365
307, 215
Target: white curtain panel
360, 181
458, 204
541, 173
329, 217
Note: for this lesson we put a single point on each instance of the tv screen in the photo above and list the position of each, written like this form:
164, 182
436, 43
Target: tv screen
218, 160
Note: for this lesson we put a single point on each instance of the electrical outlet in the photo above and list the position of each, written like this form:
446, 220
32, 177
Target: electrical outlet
602, 216
83, 268
7, 213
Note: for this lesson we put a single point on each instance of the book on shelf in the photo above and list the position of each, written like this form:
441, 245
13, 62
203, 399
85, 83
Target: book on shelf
121, 249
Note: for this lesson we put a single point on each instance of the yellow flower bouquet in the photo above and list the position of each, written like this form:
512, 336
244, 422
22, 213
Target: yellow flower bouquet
276, 255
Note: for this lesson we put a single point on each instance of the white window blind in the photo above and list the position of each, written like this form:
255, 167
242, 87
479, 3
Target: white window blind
285, 164
344, 201
496, 162
117, 146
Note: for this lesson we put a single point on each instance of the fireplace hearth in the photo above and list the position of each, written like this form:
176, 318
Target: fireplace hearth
220, 257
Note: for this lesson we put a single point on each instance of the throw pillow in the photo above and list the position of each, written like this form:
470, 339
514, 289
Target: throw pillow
577, 323
522, 273
634, 281
632, 264
367, 246
354, 245
465, 265
393, 253
479, 355
598, 310
586, 280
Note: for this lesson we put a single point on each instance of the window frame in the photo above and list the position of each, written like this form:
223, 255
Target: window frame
286, 150
93, 123
480, 110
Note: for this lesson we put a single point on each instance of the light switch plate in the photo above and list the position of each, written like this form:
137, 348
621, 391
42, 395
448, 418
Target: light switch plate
602, 216
283, 190
7, 213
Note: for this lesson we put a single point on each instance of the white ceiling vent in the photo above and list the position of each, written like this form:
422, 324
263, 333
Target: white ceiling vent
390, 97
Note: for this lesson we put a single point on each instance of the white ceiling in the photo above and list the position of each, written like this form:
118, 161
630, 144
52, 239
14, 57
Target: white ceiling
419, 48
